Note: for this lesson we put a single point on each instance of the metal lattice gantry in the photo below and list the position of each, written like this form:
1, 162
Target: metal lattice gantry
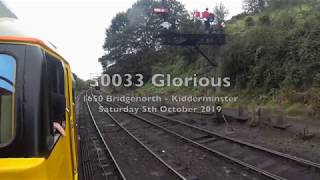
182, 39
194, 40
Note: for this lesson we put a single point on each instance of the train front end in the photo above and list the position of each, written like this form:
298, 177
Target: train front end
35, 93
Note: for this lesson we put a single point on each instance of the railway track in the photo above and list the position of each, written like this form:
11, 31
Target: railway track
183, 157
125, 159
267, 162
85, 165
97, 162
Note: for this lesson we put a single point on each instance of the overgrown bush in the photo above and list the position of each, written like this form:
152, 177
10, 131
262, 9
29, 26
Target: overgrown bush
249, 21
285, 54
264, 20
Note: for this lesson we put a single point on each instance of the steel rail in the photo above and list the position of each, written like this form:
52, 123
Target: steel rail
272, 152
237, 161
105, 144
145, 147
250, 145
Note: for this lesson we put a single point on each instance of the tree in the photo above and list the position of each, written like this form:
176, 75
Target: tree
220, 12
79, 84
135, 32
254, 6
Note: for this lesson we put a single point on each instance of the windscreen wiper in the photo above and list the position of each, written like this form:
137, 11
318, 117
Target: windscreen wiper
6, 80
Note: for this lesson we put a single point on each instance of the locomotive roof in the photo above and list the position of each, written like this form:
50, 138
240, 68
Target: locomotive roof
12, 30
5, 11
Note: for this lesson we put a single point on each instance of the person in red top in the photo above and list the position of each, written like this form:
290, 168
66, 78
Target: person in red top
205, 14
205, 17
197, 14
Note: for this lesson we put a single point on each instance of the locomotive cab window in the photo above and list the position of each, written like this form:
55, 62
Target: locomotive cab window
56, 94
7, 94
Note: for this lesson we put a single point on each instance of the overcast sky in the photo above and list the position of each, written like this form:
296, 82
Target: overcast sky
77, 27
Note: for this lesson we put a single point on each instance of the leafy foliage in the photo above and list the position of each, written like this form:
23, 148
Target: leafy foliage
254, 6
132, 38
220, 12
264, 20
79, 84
249, 21
282, 55
273, 48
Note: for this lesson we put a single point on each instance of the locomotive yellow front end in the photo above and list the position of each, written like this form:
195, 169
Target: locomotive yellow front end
37, 123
